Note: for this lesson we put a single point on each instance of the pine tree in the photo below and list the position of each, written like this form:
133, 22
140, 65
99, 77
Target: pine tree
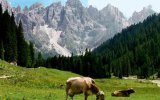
22, 47
32, 54
1, 10
28, 54
120, 74
158, 76
14, 38
1, 41
7, 37
39, 60
1, 50
0, 20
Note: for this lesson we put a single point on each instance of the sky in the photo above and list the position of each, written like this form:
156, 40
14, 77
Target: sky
23, 3
126, 6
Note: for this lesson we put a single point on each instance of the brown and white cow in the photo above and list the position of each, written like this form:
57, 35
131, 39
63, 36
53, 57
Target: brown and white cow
86, 85
123, 93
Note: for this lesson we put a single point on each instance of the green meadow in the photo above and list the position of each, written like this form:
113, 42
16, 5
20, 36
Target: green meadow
49, 84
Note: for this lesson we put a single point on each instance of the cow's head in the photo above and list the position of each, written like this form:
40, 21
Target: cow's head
131, 91
100, 95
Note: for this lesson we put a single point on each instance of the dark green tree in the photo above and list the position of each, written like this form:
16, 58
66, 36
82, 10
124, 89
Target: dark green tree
31, 47
22, 47
40, 60
1, 50
28, 54
158, 76
1, 37
7, 37
14, 38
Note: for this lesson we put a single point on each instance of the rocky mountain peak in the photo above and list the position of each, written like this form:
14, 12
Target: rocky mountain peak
147, 10
149, 7
74, 3
56, 4
36, 5
93, 12
17, 9
26, 9
109, 9
92, 9
141, 15
112, 19
58, 29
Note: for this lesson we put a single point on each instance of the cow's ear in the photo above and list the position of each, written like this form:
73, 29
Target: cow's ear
93, 81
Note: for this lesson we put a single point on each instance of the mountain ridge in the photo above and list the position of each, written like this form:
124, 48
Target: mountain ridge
71, 28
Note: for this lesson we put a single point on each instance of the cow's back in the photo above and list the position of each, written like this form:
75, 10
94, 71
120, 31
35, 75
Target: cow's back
79, 84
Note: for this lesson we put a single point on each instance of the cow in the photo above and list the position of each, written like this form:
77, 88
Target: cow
86, 85
123, 93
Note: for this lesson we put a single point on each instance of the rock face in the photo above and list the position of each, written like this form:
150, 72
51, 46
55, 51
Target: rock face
72, 28
140, 16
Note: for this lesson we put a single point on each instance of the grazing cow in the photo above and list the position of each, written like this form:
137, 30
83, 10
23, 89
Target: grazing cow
86, 85
123, 93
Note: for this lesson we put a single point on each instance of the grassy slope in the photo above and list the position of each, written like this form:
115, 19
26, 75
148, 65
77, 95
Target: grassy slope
45, 84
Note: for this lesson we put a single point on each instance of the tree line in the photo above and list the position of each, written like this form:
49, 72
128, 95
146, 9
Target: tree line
87, 64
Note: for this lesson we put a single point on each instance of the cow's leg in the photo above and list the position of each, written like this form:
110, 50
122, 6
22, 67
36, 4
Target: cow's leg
67, 90
71, 94
66, 96
85, 96
67, 93
72, 97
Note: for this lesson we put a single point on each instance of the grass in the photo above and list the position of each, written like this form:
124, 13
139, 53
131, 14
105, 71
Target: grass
49, 84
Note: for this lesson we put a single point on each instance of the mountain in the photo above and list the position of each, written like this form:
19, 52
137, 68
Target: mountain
110, 17
58, 29
140, 16
113, 19
62, 29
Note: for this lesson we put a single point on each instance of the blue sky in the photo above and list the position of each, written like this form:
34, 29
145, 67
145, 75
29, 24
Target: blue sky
45, 2
126, 6
30, 2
